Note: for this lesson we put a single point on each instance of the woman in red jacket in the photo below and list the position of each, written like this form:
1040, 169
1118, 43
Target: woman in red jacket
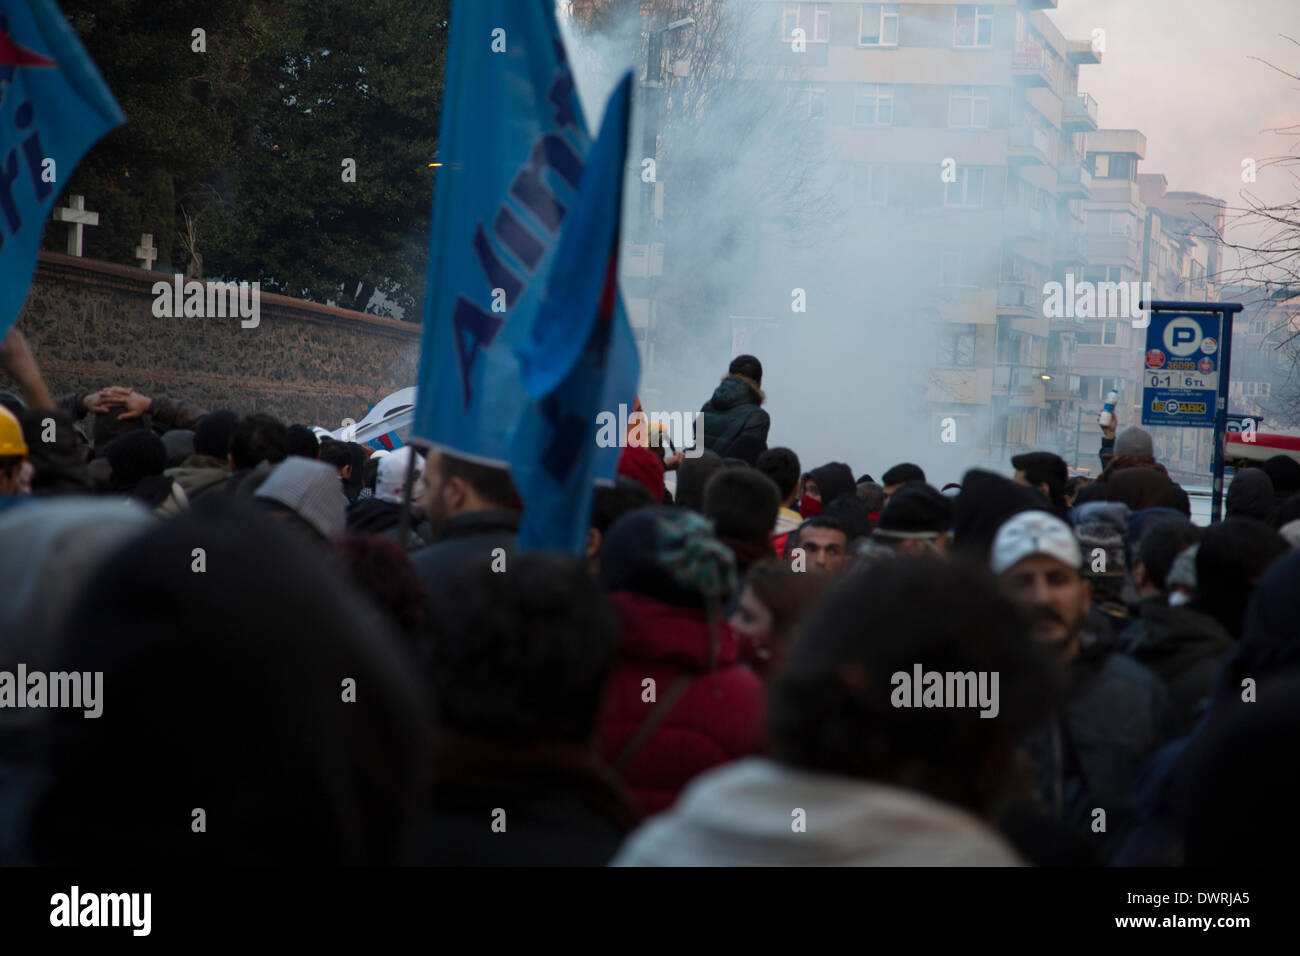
679, 700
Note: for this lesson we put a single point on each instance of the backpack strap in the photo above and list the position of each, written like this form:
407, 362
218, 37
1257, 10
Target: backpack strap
663, 706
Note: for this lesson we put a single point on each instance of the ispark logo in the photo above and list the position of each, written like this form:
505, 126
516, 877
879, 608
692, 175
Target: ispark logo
672, 431
208, 300
102, 909
78, 690
923, 688
1097, 300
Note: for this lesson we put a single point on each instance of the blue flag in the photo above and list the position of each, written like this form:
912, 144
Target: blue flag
53, 106
512, 143
580, 358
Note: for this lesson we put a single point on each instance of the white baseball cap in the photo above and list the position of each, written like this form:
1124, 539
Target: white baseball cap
1034, 532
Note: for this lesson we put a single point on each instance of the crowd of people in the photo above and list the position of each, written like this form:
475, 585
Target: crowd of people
312, 650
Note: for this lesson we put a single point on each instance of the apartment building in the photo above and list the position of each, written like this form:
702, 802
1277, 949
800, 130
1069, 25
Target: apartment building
960, 132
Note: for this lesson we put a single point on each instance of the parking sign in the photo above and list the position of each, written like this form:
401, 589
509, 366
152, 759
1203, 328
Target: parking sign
1180, 382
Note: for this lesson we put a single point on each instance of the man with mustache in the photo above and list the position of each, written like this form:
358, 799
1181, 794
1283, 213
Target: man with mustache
1087, 756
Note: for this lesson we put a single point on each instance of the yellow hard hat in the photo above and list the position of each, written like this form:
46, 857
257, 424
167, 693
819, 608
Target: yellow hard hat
11, 436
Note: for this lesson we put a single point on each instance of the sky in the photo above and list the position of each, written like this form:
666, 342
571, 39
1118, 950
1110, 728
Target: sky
1181, 72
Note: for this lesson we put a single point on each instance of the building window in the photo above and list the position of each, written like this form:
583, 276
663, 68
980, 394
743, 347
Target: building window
814, 18
873, 106
967, 191
973, 25
871, 183
957, 347
1121, 167
878, 24
968, 108
1121, 224
1110, 333
806, 102
1101, 169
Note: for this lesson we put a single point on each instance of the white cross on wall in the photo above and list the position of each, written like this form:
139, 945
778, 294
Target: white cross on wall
75, 214
146, 252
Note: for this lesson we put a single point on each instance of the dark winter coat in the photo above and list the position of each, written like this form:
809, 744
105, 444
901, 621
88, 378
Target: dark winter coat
384, 519
464, 539
735, 425
553, 804
1089, 754
717, 719
1184, 648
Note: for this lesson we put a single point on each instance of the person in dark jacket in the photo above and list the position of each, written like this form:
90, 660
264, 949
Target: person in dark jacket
986, 501
258, 443
900, 475
824, 485
208, 468
381, 514
1231, 558
742, 503
1183, 647
1284, 472
471, 517
1251, 495
692, 475
735, 425
679, 701
518, 671
1087, 756
58, 466
1268, 652
137, 459
1046, 472
269, 716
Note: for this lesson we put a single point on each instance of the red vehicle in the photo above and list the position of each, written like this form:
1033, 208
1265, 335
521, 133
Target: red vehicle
1265, 446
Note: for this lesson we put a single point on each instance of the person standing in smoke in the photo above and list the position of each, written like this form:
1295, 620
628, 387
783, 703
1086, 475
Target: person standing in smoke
735, 425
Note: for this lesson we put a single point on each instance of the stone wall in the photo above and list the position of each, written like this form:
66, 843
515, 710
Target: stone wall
91, 324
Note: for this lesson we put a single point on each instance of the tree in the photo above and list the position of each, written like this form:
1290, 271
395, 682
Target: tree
233, 149
1269, 263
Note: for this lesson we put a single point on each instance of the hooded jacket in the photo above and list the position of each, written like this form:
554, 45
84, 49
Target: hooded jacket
717, 719
1251, 495
735, 426
199, 474
1184, 648
740, 815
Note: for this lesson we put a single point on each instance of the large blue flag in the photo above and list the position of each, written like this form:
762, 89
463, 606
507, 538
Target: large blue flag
512, 143
53, 106
580, 358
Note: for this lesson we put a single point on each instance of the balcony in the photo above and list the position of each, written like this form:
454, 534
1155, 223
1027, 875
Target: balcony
1016, 298
1063, 384
1080, 52
1079, 113
1027, 146
1073, 181
1029, 65
1019, 222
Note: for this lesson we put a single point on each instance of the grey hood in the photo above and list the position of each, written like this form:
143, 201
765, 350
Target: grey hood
744, 814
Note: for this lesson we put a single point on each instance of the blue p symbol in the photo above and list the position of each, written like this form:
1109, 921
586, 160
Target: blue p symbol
1183, 335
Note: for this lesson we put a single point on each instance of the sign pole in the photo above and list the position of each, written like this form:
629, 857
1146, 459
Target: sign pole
1172, 345
1221, 414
